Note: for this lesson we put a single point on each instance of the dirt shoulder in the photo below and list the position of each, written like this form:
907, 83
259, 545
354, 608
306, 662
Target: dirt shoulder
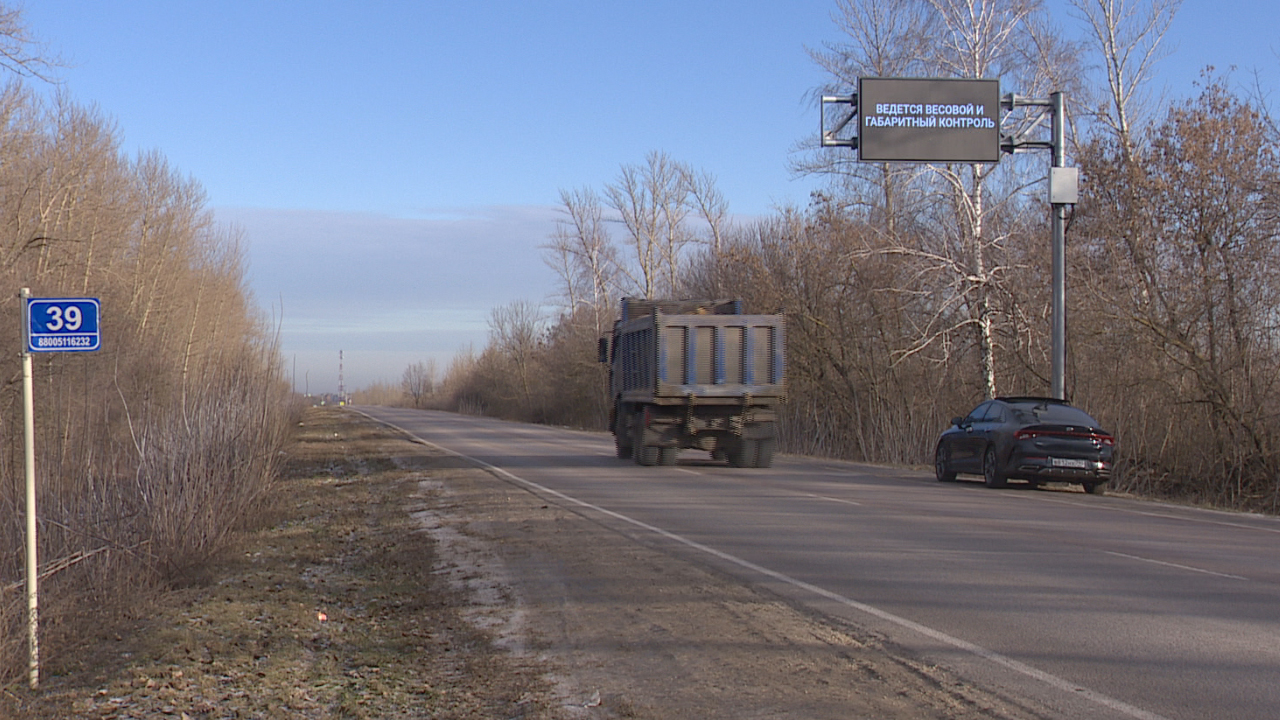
400, 582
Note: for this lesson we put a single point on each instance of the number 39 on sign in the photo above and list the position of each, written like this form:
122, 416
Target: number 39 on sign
62, 325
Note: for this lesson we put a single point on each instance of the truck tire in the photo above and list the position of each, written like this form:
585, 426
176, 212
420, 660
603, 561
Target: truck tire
668, 455
646, 455
742, 454
766, 443
764, 452
621, 440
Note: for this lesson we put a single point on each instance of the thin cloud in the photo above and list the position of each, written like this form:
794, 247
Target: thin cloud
400, 286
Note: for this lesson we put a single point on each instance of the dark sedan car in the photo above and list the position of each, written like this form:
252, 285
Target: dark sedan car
1026, 438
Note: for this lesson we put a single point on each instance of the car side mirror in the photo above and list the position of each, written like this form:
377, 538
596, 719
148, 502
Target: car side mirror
957, 421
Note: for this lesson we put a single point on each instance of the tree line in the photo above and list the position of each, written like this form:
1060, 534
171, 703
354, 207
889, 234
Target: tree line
150, 451
913, 291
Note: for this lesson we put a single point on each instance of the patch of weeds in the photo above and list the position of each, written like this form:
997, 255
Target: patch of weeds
332, 612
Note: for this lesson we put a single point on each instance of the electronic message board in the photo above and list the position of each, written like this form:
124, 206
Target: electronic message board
928, 120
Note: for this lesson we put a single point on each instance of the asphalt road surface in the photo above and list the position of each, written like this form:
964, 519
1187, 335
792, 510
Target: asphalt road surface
1100, 607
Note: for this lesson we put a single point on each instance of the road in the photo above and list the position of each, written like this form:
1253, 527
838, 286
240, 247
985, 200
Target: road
1099, 607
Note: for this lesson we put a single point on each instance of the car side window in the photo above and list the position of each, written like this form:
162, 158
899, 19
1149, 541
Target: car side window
995, 413
979, 412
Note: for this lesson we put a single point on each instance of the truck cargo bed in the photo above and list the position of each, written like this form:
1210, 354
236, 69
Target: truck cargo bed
709, 357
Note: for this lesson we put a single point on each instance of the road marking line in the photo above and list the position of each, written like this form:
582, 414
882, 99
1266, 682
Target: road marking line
691, 472
1176, 565
1015, 665
837, 500
1162, 515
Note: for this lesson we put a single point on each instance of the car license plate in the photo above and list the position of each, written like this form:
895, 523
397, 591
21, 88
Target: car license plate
1072, 463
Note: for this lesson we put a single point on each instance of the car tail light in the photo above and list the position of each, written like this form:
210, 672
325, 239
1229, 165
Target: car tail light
1033, 433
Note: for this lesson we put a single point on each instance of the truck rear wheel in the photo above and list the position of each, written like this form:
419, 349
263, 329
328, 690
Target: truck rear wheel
646, 455
764, 452
621, 439
742, 454
668, 455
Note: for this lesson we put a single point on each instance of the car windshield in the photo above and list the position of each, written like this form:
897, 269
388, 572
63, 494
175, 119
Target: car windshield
1053, 414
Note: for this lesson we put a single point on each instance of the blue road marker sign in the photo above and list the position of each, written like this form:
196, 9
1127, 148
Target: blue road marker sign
62, 325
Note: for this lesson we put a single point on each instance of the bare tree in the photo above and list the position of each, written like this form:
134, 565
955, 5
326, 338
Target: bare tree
583, 255
1128, 35
882, 38
665, 207
652, 204
849, 395
1182, 242
713, 209
20, 52
515, 333
947, 225
709, 203
981, 39
419, 381
156, 447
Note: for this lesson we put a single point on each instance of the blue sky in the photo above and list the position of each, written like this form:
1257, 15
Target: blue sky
395, 165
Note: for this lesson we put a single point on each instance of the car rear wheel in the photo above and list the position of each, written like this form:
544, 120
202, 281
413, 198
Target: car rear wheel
942, 465
1094, 488
991, 471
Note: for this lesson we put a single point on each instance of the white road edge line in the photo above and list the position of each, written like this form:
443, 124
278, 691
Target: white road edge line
1166, 516
836, 500
1017, 666
1176, 565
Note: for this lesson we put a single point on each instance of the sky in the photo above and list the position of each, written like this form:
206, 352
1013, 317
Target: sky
394, 167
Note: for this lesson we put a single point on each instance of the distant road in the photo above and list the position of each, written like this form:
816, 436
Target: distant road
1099, 607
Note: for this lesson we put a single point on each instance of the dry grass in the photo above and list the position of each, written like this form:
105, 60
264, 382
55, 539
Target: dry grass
332, 612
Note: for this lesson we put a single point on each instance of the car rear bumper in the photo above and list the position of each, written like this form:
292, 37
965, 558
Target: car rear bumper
1067, 469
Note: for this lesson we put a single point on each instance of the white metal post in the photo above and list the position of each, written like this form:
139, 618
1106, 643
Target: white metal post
29, 440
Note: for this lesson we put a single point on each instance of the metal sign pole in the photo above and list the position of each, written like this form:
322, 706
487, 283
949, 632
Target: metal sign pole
48, 325
1063, 191
950, 120
1058, 306
29, 441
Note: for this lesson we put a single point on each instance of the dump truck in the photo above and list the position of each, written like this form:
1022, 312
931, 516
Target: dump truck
695, 374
